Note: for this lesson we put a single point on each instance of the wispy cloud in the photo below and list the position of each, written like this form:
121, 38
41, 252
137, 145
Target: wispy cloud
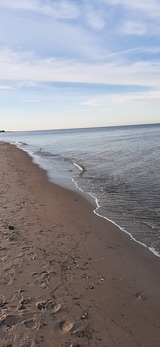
5, 87
18, 4
121, 99
14, 66
151, 8
132, 55
27, 84
95, 17
29, 101
88, 46
71, 8
133, 28
62, 9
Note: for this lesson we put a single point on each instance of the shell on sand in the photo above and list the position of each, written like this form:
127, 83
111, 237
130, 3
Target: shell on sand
57, 308
66, 326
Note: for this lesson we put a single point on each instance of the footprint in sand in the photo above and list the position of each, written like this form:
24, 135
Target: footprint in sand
41, 305
50, 306
17, 262
30, 324
6, 278
3, 252
9, 320
23, 303
25, 342
42, 279
2, 302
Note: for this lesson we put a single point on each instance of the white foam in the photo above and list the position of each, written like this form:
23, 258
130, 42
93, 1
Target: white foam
79, 167
95, 211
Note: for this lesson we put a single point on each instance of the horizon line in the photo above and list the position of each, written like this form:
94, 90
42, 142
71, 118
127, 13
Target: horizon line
81, 128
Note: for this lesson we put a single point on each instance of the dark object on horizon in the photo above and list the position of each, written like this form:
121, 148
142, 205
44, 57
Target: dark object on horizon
2, 131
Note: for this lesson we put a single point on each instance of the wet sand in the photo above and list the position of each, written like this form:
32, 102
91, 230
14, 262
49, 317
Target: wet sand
68, 277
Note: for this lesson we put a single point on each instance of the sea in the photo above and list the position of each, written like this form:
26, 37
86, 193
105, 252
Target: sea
117, 167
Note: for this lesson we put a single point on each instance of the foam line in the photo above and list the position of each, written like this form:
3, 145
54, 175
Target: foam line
95, 211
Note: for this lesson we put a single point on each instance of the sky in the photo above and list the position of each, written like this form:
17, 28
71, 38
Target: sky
79, 63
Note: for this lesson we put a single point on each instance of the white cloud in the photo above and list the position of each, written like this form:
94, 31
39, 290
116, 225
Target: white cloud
69, 8
48, 37
125, 99
95, 18
19, 4
133, 28
61, 9
148, 96
151, 8
131, 54
27, 84
30, 101
5, 87
14, 66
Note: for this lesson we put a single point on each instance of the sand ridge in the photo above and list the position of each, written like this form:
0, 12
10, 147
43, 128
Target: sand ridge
67, 277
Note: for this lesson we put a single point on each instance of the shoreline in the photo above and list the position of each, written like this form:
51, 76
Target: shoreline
88, 196
150, 249
66, 274
95, 211
124, 224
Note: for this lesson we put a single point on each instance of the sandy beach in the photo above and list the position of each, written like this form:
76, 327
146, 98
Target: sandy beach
68, 277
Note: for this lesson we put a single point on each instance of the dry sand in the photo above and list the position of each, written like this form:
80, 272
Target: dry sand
68, 277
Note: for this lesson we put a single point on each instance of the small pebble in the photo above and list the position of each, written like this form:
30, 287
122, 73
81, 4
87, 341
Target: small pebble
11, 227
84, 316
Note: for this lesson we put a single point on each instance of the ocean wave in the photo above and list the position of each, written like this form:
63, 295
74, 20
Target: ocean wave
81, 168
20, 144
42, 153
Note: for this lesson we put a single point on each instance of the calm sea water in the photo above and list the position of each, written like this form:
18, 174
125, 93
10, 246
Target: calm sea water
119, 166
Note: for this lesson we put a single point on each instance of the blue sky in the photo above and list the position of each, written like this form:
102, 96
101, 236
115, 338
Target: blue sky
79, 63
